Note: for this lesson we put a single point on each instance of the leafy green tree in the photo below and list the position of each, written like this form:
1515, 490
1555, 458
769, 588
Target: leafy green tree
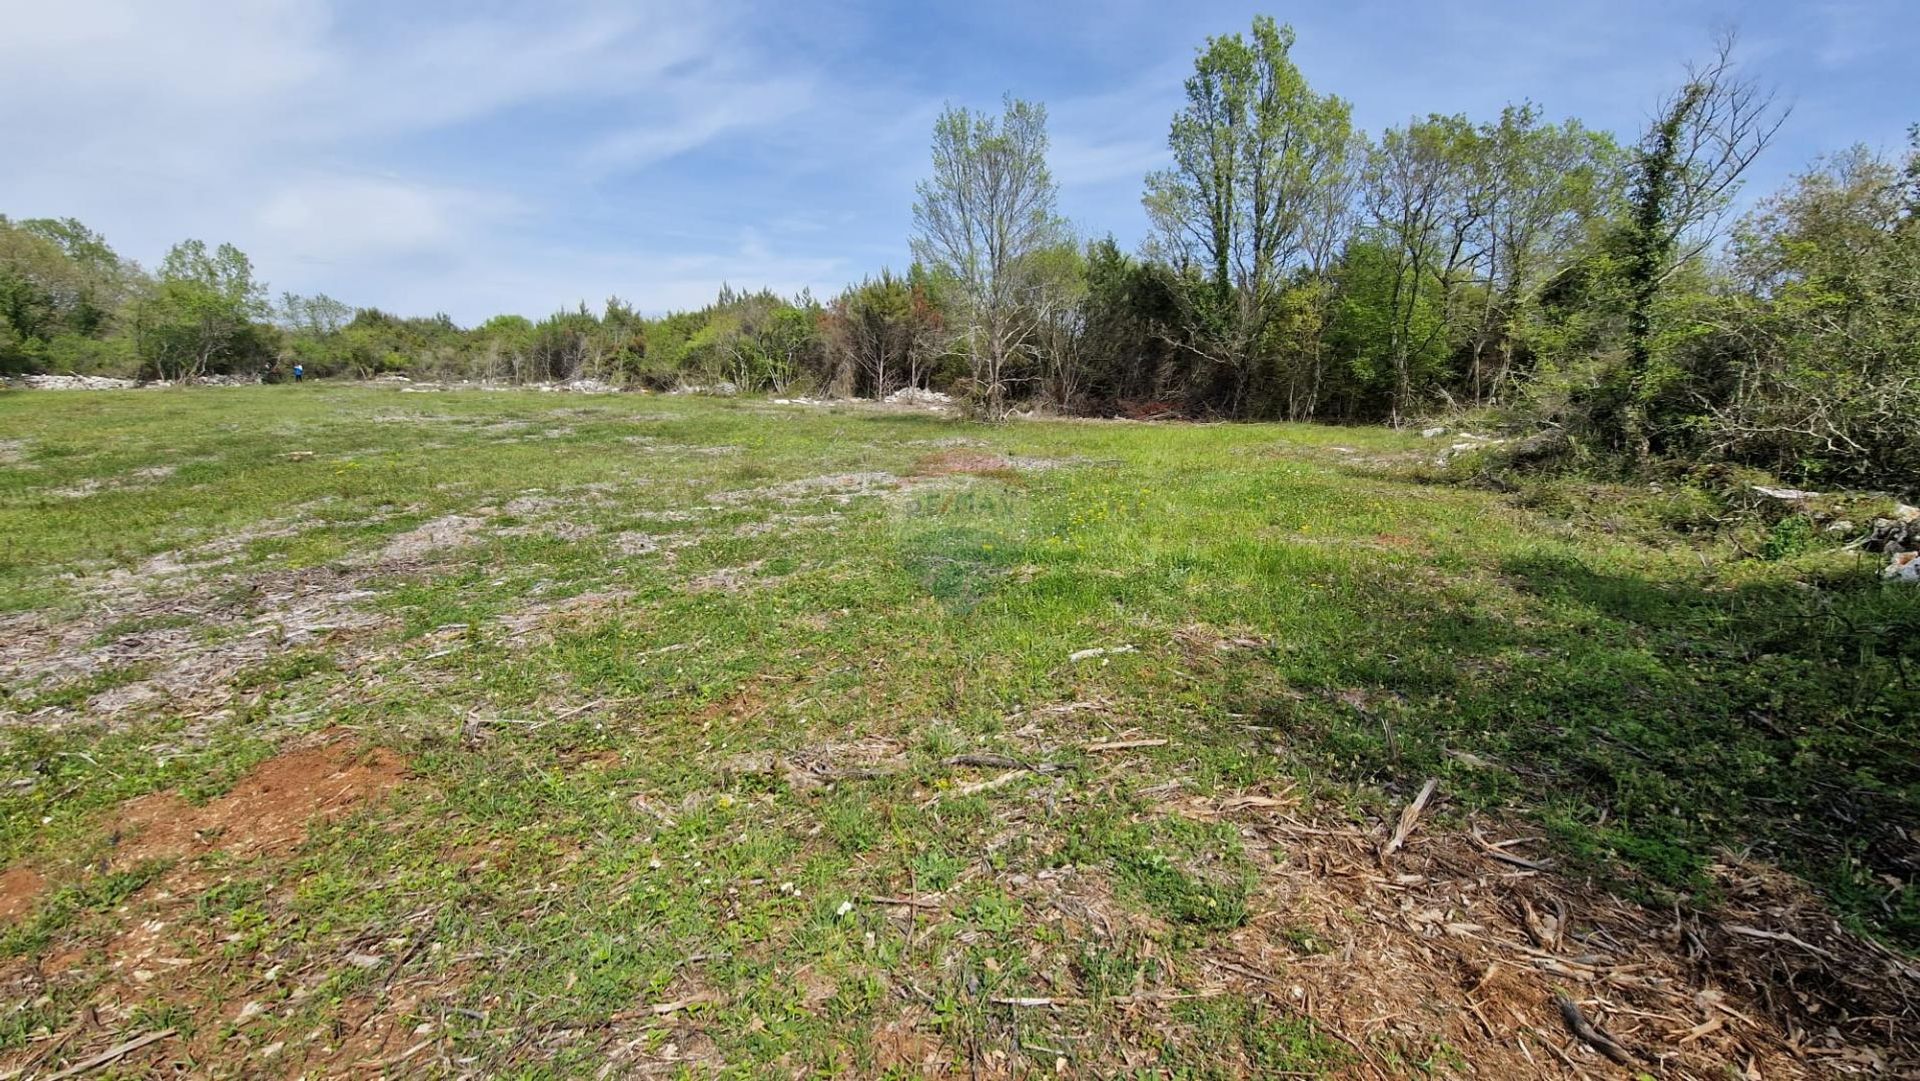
1388, 330
1426, 199
881, 334
58, 281
199, 316
1548, 190
1256, 155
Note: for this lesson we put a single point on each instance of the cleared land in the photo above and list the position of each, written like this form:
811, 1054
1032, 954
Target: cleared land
349, 731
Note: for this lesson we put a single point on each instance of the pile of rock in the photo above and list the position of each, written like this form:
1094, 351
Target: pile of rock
918, 396
1899, 538
721, 389
74, 382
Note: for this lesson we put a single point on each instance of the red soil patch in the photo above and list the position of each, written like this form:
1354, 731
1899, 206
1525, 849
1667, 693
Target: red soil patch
20, 887
268, 811
949, 462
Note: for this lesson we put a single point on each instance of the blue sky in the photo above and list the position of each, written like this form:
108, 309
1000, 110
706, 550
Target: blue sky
478, 157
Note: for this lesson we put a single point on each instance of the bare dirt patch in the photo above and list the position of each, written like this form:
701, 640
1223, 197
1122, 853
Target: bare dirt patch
269, 811
548, 615
187, 648
975, 462
556, 530
139, 478
842, 488
157, 949
448, 531
20, 887
731, 579
633, 542
960, 461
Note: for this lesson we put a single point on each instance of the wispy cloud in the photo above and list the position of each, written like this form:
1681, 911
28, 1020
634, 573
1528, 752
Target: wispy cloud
446, 155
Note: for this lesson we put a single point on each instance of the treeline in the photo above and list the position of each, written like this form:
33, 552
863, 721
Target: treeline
1298, 268
70, 304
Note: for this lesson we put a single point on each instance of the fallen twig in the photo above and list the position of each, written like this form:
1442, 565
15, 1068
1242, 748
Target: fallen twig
1495, 851
660, 1009
1780, 936
989, 760
1583, 1029
112, 1054
1135, 999
909, 902
704, 998
988, 784
1123, 745
1410, 817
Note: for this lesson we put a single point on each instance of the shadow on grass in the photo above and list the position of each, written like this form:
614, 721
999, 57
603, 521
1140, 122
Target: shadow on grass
1648, 723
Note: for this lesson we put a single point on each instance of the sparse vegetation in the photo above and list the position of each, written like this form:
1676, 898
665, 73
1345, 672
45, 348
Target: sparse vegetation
692, 804
754, 710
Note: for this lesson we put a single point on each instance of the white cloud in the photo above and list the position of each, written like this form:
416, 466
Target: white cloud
335, 218
698, 110
290, 127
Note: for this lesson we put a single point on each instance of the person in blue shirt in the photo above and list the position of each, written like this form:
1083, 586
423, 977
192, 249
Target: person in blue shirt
299, 372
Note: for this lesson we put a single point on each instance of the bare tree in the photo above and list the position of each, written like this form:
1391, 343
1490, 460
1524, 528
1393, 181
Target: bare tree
982, 217
1686, 171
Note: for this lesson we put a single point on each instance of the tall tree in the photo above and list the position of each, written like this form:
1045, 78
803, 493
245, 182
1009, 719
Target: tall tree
1426, 200
199, 316
57, 278
1684, 176
1256, 156
981, 219
1547, 187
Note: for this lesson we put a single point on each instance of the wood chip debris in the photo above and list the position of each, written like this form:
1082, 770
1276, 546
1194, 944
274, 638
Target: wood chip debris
1123, 745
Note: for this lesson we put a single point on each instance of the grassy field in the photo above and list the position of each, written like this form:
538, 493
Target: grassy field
351, 731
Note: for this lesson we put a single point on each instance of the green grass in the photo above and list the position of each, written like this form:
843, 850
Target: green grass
579, 840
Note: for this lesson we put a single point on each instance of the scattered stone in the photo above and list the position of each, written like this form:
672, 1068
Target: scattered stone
722, 389
1098, 651
1433, 433
1788, 495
